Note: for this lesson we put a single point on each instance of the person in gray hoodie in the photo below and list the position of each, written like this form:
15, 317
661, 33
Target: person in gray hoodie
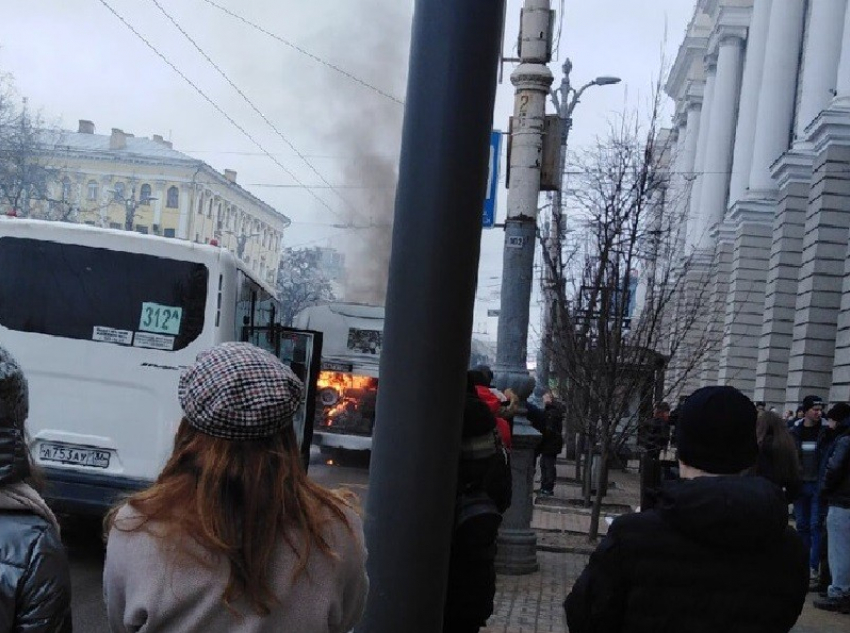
35, 582
233, 537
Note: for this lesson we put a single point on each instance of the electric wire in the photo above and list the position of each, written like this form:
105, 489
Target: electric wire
304, 52
220, 110
249, 102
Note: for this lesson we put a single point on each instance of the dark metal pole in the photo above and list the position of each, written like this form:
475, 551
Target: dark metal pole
451, 91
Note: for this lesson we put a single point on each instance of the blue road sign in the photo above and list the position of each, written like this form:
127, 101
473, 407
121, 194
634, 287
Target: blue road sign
489, 217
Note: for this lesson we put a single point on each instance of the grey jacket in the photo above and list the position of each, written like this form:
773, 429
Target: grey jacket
152, 586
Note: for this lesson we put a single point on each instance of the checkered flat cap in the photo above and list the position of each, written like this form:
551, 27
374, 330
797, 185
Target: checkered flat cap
237, 391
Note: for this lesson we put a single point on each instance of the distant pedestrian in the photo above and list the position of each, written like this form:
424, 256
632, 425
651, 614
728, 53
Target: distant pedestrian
836, 489
778, 460
549, 421
836, 423
716, 554
653, 439
35, 582
809, 442
233, 536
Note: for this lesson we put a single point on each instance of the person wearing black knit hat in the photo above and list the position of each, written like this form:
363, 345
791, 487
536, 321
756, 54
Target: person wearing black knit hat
715, 529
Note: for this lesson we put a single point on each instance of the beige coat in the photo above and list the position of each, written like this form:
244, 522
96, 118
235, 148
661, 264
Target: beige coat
149, 588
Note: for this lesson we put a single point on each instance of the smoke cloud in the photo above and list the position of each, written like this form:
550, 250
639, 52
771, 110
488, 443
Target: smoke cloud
364, 130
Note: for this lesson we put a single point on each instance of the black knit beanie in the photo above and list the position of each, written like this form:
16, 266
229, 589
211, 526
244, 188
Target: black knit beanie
716, 431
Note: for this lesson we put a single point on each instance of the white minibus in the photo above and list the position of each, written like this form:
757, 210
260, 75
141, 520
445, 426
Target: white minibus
103, 321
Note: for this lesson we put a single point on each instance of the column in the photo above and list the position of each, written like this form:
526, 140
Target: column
748, 108
821, 274
777, 93
840, 391
157, 202
688, 136
718, 151
744, 309
694, 212
183, 221
820, 62
794, 177
842, 88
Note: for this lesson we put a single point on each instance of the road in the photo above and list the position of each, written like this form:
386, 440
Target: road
85, 545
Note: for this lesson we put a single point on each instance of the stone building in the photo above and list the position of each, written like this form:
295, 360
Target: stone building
762, 166
121, 181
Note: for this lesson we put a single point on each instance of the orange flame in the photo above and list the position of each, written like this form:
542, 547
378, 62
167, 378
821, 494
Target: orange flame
343, 392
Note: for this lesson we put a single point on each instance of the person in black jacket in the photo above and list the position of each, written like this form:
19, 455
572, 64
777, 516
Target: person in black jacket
35, 582
549, 421
836, 490
483, 493
715, 554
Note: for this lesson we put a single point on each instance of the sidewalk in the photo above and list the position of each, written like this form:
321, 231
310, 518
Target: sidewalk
534, 603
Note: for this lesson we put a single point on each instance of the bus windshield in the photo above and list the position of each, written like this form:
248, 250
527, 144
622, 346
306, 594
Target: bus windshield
97, 294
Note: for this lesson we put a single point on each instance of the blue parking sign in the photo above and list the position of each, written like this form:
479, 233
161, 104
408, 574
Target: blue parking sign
489, 216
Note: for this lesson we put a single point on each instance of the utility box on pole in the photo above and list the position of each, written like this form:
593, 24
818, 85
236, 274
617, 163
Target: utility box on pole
550, 162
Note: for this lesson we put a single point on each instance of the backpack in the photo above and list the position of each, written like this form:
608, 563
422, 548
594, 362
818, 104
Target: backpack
498, 482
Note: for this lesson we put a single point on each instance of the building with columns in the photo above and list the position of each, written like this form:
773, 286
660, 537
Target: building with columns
121, 181
761, 164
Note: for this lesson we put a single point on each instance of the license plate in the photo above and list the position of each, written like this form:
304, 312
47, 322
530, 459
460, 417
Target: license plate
74, 455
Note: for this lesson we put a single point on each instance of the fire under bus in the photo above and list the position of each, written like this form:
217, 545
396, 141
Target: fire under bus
347, 386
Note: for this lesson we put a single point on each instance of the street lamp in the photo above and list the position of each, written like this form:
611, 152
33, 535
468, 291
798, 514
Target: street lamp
565, 100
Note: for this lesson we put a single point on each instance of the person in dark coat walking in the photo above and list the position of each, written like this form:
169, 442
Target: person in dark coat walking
35, 582
715, 554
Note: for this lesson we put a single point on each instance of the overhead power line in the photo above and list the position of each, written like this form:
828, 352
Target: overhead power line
248, 101
209, 100
305, 52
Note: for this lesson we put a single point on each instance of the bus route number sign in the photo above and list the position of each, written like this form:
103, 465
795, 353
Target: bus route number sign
160, 319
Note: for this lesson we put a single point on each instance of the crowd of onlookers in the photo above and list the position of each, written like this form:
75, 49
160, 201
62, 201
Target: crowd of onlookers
233, 536
809, 456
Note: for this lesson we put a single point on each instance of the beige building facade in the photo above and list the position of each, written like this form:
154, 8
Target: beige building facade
121, 181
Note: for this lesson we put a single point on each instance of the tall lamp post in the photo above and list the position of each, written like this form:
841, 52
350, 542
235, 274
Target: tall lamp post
565, 99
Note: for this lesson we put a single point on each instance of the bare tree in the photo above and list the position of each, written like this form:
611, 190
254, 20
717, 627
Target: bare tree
621, 312
25, 171
302, 282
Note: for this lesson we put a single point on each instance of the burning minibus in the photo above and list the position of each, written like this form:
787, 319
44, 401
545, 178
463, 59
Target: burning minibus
347, 387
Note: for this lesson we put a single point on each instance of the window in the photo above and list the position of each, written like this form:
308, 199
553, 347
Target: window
209, 209
92, 190
66, 189
67, 290
168, 232
200, 205
145, 194
197, 237
173, 198
116, 225
118, 192
142, 229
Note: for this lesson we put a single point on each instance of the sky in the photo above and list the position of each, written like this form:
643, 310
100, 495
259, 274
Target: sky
75, 59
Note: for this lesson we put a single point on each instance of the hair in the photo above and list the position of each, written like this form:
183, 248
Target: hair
486, 372
237, 499
662, 407
783, 450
